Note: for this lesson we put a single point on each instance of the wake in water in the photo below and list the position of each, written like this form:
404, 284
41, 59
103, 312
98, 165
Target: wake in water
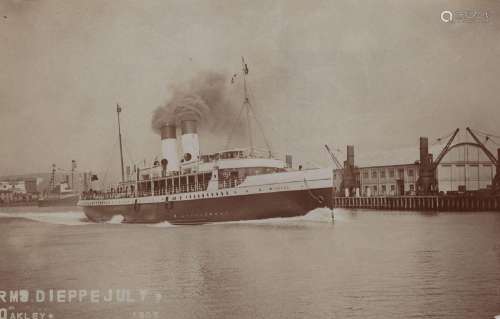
78, 218
164, 224
70, 218
117, 219
319, 215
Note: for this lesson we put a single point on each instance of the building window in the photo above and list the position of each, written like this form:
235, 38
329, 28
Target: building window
391, 172
382, 173
384, 189
401, 173
410, 172
365, 174
393, 188
374, 189
374, 174
412, 187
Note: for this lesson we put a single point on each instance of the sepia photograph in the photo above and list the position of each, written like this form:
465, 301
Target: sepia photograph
249, 159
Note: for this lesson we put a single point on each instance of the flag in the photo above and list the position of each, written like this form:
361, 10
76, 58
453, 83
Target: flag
246, 69
234, 77
94, 178
118, 108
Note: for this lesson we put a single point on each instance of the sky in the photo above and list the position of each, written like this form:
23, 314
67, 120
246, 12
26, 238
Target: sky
375, 74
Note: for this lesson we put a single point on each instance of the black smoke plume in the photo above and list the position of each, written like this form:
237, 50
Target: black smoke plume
204, 99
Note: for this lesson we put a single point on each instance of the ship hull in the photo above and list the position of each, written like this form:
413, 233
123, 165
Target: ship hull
218, 209
52, 202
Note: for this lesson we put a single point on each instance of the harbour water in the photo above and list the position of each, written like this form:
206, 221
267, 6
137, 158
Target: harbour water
366, 264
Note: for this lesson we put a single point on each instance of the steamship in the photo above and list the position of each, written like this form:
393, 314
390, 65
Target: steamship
230, 185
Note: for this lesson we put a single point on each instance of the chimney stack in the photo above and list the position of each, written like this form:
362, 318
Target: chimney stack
288, 160
424, 150
189, 141
350, 155
427, 175
169, 147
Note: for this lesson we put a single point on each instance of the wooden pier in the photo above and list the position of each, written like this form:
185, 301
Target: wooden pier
421, 203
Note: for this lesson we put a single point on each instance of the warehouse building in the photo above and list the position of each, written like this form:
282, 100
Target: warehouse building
387, 180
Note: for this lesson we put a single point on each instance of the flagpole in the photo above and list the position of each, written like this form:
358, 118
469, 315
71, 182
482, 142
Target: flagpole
118, 110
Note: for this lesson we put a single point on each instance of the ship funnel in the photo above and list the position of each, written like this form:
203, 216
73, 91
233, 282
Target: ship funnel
189, 140
169, 147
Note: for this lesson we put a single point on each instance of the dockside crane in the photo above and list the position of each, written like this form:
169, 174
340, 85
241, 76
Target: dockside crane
427, 181
350, 173
333, 157
444, 150
340, 167
491, 157
486, 151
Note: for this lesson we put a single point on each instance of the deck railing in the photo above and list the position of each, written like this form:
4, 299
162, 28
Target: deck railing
97, 195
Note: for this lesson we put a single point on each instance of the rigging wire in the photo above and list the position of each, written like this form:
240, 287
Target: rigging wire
127, 149
268, 146
297, 149
254, 114
109, 164
484, 133
487, 137
259, 123
246, 104
440, 139
229, 138
129, 158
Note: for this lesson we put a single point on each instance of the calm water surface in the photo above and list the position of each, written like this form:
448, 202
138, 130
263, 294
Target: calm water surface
366, 264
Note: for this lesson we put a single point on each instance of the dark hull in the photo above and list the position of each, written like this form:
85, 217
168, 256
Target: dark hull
51, 202
19, 204
220, 209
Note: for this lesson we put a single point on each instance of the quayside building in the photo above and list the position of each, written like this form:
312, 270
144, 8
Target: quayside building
456, 168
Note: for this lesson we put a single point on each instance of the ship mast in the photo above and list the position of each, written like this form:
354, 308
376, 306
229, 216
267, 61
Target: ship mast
118, 110
246, 104
52, 185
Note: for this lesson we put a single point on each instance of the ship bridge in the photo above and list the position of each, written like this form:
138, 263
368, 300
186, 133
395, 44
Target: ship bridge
236, 159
